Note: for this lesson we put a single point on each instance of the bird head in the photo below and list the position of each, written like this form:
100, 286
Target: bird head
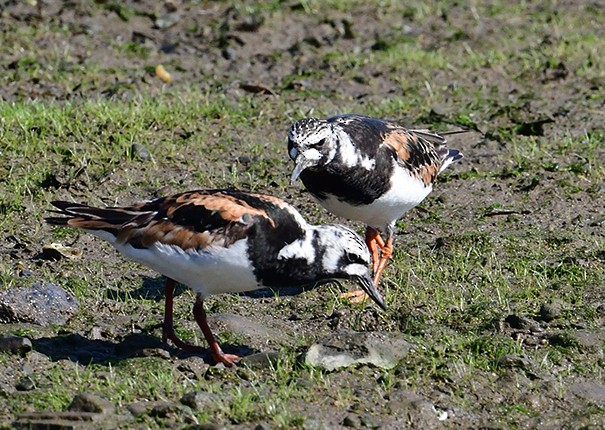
311, 143
346, 256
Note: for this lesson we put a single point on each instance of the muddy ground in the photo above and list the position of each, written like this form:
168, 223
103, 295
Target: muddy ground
279, 57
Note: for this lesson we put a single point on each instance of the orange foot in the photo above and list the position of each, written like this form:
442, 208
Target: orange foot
381, 252
215, 350
357, 296
200, 316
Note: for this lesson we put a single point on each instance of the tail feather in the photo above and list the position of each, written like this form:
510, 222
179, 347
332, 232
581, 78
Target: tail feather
92, 218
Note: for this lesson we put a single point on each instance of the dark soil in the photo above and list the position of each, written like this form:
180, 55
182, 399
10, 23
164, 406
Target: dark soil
109, 51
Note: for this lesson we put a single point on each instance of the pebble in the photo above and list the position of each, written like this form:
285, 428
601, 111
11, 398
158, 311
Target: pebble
199, 400
14, 344
25, 384
351, 420
550, 311
168, 20
345, 349
86, 402
140, 151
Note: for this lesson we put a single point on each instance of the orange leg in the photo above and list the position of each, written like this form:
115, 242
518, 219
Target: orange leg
215, 350
374, 242
385, 253
168, 327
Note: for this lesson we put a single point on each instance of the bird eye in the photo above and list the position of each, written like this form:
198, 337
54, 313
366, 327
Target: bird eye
352, 258
319, 144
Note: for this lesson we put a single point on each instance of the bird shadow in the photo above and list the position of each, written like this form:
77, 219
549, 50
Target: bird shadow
80, 349
153, 289
150, 289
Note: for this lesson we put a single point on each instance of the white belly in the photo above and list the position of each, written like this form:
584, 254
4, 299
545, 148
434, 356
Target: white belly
212, 271
405, 193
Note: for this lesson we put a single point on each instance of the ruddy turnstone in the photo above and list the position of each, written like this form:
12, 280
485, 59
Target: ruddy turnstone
222, 241
369, 170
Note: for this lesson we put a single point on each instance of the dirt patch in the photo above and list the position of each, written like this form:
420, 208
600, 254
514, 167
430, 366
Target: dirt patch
520, 220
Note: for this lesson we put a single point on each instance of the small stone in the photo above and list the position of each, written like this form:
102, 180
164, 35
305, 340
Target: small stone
86, 402
194, 364
140, 151
512, 361
15, 344
550, 311
57, 251
25, 384
262, 426
229, 53
351, 420
369, 421
162, 409
199, 400
168, 20
154, 352
346, 349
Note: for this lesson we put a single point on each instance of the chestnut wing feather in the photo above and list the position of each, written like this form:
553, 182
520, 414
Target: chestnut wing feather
195, 219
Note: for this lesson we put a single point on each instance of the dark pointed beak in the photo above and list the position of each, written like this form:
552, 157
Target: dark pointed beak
368, 286
301, 164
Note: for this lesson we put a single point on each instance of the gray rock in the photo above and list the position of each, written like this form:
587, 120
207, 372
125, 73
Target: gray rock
513, 361
589, 340
162, 409
42, 303
346, 349
14, 344
550, 311
589, 390
585, 340
26, 384
369, 422
138, 409
194, 365
140, 151
351, 420
199, 400
168, 20
86, 402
